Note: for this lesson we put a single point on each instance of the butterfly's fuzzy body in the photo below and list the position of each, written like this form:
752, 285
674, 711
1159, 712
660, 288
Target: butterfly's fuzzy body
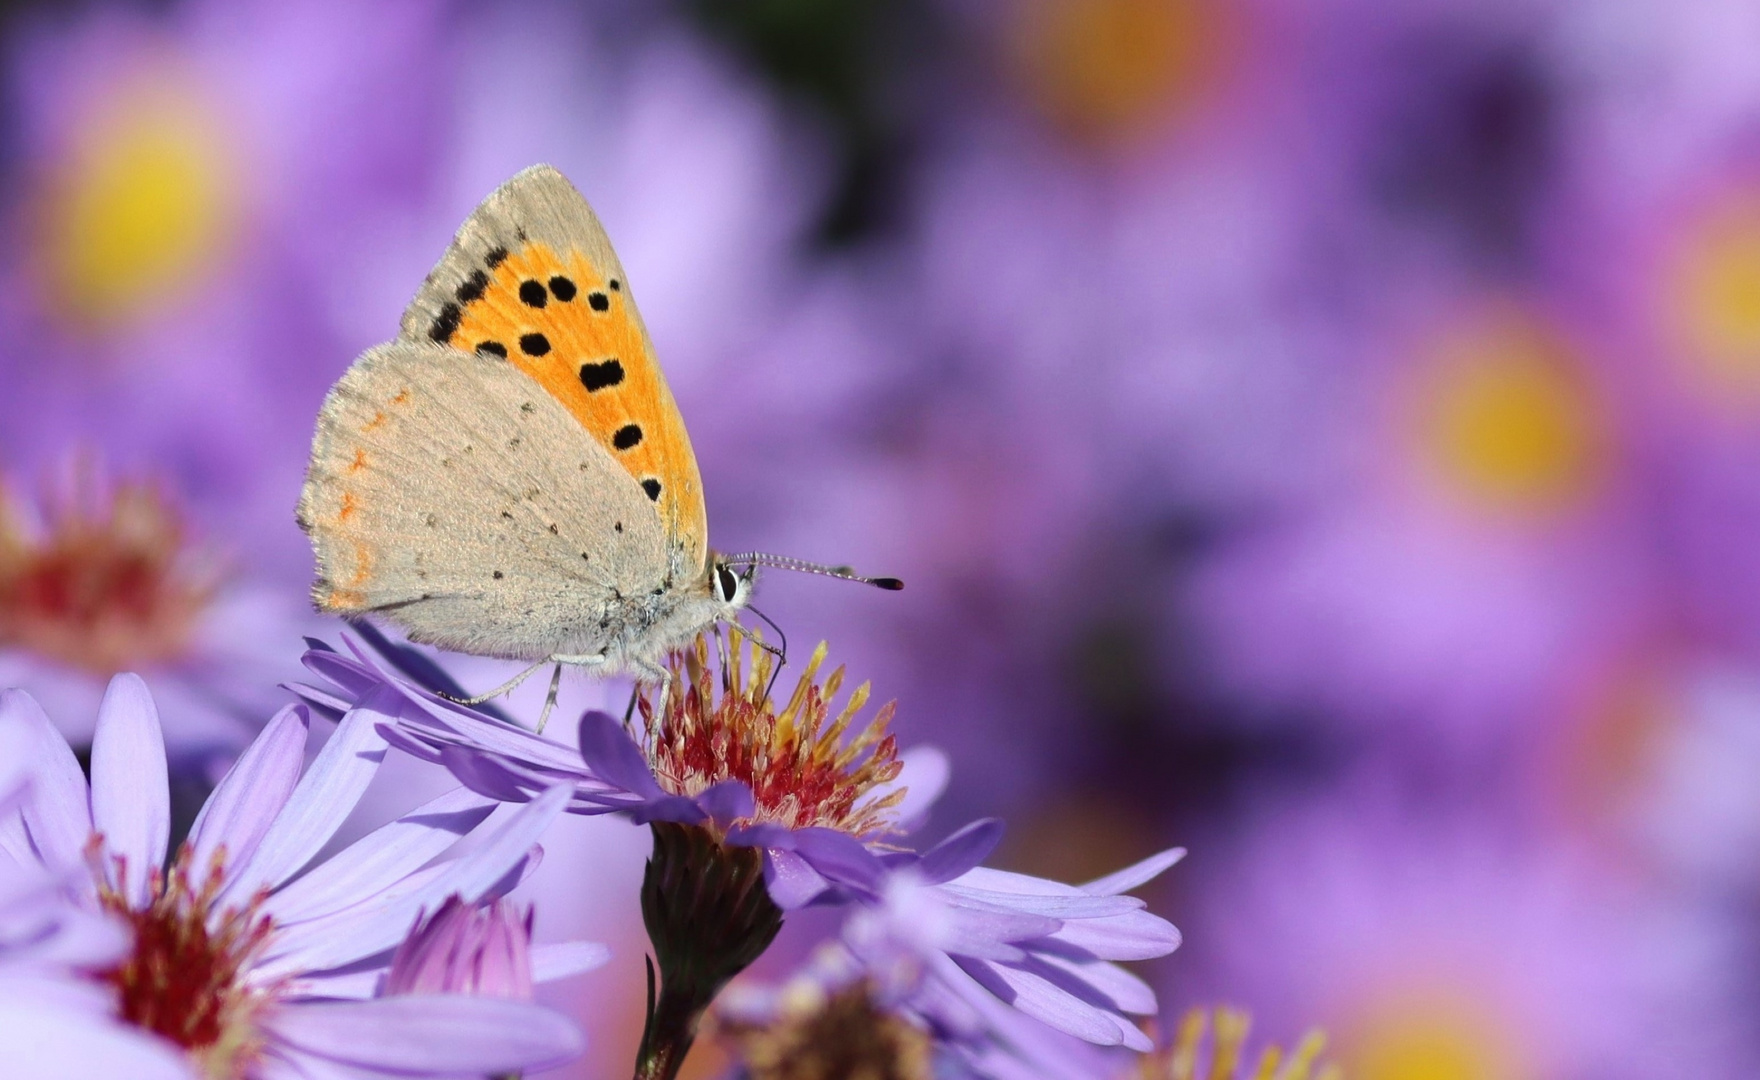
511, 476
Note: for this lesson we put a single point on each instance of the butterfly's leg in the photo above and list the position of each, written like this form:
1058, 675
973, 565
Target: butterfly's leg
550, 698
648, 672
507, 687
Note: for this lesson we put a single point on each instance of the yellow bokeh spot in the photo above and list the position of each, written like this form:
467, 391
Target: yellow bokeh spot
1506, 418
1109, 69
1431, 1035
1716, 294
142, 206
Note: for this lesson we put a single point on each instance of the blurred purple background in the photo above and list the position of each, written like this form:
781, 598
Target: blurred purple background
1325, 434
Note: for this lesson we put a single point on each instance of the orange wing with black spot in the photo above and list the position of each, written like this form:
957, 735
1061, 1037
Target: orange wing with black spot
531, 277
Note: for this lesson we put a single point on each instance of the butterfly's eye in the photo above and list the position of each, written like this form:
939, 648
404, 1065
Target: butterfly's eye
726, 584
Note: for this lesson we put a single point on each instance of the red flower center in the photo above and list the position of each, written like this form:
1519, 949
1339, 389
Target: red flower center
106, 586
184, 978
804, 767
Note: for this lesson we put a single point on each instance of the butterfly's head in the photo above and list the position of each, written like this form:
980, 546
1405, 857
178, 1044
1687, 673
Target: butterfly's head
731, 587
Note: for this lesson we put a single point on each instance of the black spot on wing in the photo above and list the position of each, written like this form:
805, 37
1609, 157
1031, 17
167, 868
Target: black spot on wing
627, 437
492, 348
534, 344
446, 324
495, 257
562, 288
472, 289
598, 301
599, 376
615, 284
652, 487
533, 294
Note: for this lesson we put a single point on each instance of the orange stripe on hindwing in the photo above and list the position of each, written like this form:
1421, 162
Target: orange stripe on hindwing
575, 332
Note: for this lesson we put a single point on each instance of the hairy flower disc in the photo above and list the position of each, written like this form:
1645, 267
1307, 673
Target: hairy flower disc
843, 1034
805, 767
107, 584
183, 979
1186, 1058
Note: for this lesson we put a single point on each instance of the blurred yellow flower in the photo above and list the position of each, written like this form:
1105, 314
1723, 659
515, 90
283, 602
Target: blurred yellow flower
1506, 417
144, 203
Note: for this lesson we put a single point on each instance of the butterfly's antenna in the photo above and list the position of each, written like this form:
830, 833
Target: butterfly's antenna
781, 648
784, 562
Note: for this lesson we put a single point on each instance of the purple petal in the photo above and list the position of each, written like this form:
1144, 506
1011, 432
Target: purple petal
764, 834
56, 810
1041, 1000
1136, 874
320, 803
404, 740
983, 933
382, 921
447, 1034
348, 984
1125, 991
253, 791
328, 705
484, 775
561, 960
962, 851
793, 883
355, 679
839, 856
131, 793
611, 755
674, 808
1138, 935
1079, 906
385, 855
727, 801
68, 1045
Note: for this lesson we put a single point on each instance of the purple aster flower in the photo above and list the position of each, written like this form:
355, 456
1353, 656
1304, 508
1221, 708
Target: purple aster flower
101, 575
54, 1021
999, 969
811, 792
1045, 949
251, 955
757, 805
1452, 947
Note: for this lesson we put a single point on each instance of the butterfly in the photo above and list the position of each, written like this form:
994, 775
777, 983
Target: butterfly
511, 477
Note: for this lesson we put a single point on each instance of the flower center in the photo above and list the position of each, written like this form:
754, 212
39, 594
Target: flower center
1716, 296
106, 584
1507, 420
843, 1035
143, 203
184, 978
803, 767
1226, 1056
1109, 69
1432, 1035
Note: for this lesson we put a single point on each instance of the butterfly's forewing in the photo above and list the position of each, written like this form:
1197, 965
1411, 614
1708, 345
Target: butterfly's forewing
449, 491
531, 276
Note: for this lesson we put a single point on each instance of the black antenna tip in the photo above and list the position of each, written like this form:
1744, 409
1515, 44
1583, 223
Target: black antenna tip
891, 584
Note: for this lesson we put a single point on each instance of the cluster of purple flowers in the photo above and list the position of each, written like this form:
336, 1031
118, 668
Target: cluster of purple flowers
259, 950
1321, 433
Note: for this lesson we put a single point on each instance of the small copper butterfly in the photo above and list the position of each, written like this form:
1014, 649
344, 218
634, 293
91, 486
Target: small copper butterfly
511, 477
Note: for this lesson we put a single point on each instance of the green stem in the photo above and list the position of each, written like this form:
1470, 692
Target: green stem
709, 915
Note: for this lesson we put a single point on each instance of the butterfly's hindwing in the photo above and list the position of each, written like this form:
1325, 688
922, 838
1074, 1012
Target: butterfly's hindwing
473, 526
